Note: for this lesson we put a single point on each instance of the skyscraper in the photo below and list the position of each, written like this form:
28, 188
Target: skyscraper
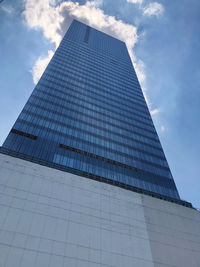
88, 114
87, 117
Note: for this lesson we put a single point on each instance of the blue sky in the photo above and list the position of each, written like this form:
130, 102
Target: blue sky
162, 37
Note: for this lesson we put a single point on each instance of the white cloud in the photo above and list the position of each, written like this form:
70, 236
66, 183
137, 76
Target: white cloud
40, 66
139, 68
154, 111
98, 3
135, 1
153, 9
162, 128
54, 20
8, 9
43, 15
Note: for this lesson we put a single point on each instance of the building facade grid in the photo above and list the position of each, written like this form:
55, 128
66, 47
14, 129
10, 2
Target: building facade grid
88, 113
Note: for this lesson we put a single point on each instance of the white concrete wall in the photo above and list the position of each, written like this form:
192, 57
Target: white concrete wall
53, 218
174, 233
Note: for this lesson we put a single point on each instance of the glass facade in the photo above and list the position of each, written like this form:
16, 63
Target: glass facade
88, 113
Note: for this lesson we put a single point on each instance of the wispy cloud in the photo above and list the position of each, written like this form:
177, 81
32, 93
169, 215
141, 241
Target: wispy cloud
8, 9
40, 66
154, 111
153, 9
98, 3
135, 1
162, 128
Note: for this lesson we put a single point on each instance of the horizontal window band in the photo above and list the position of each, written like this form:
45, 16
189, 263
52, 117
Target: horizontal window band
131, 92
102, 69
119, 93
102, 117
94, 177
128, 101
138, 131
97, 157
23, 122
50, 79
133, 148
141, 108
30, 104
158, 149
109, 85
42, 85
113, 61
108, 139
45, 98
103, 61
31, 136
72, 46
49, 148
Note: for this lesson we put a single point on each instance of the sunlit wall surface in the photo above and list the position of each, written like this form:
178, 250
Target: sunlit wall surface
88, 113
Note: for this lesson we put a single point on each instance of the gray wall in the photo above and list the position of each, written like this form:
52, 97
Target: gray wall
53, 218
